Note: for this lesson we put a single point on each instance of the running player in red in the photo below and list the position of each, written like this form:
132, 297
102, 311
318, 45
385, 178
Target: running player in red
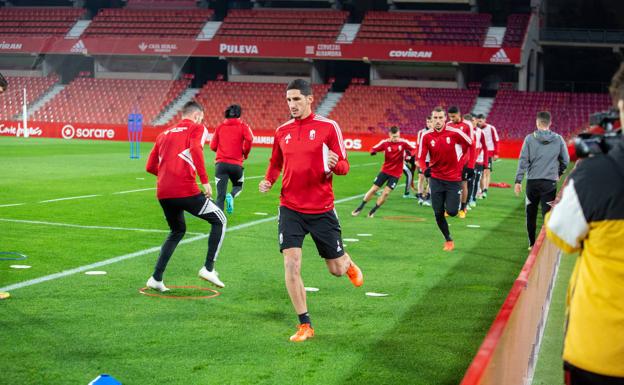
481, 164
177, 159
232, 142
395, 149
491, 138
468, 154
309, 150
445, 169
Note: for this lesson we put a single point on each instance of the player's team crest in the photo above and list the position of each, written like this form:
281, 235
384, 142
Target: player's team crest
400, 148
312, 134
287, 138
448, 140
432, 143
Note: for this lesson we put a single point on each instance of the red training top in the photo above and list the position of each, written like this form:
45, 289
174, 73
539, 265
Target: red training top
301, 148
177, 157
232, 141
468, 153
395, 154
445, 157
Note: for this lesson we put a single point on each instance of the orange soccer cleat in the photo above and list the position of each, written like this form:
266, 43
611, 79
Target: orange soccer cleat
304, 331
355, 275
449, 246
462, 214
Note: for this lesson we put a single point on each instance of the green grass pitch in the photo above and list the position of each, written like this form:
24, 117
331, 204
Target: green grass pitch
70, 329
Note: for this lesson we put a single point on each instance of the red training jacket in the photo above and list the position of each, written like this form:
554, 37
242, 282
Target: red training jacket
491, 138
300, 149
232, 141
177, 157
395, 154
445, 156
482, 153
469, 153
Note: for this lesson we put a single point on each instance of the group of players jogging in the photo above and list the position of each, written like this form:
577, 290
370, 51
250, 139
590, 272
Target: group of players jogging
308, 150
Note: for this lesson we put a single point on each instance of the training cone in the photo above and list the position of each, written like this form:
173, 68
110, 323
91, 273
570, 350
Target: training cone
104, 379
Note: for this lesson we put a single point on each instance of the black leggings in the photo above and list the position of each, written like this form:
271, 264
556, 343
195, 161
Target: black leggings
445, 196
200, 207
538, 191
225, 172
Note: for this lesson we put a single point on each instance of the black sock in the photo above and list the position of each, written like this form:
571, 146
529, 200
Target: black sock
374, 209
485, 190
304, 318
209, 265
419, 196
463, 206
361, 206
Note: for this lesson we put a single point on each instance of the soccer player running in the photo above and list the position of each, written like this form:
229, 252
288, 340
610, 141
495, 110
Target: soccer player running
232, 142
395, 149
176, 159
468, 154
491, 138
424, 196
308, 149
444, 170
481, 164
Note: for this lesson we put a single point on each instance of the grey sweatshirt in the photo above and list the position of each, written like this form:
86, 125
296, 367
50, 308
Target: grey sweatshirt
544, 156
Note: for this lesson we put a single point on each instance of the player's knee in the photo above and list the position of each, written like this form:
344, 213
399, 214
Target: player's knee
452, 212
177, 234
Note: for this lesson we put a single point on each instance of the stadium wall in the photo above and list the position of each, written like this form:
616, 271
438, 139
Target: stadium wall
262, 138
508, 352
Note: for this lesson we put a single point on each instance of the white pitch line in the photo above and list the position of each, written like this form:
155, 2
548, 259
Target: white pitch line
69, 198
13, 204
87, 226
132, 191
139, 253
364, 164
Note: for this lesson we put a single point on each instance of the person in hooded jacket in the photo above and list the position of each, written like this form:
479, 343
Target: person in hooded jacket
232, 142
544, 158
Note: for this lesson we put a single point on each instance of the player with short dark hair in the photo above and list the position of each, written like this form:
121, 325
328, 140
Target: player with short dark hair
232, 142
395, 149
309, 150
467, 154
492, 140
444, 169
177, 159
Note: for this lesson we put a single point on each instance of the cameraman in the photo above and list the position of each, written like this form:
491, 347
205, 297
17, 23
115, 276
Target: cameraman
590, 219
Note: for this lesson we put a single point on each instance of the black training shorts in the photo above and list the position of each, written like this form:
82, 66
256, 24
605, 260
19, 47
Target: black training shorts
324, 228
382, 178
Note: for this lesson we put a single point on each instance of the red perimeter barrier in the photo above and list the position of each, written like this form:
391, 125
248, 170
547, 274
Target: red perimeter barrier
262, 138
507, 353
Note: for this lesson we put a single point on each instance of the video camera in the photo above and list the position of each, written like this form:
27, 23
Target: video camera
602, 135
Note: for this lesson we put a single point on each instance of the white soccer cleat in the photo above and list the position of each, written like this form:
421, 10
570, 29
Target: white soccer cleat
156, 285
211, 276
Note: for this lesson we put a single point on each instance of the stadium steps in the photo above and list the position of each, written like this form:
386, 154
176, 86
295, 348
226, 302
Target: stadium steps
494, 37
43, 100
483, 106
168, 113
328, 104
209, 30
77, 29
348, 33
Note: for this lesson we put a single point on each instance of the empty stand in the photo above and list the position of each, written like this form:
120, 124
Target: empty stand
282, 25
88, 100
516, 29
27, 21
182, 23
424, 28
514, 112
264, 104
11, 102
162, 4
374, 109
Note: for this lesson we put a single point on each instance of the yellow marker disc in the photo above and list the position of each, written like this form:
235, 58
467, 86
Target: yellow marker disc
4, 295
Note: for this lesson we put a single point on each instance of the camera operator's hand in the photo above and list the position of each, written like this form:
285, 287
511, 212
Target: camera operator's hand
518, 188
428, 172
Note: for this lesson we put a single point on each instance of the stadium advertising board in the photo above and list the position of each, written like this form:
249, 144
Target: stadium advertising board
262, 138
261, 49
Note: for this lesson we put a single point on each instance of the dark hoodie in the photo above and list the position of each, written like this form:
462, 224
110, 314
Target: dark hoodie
544, 156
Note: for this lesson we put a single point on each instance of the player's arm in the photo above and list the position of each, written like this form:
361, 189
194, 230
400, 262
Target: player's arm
484, 148
337, 160
381, 146
275, 167
523, 166
495, 139
247, 140
423, 150
564, 157
152, 161
214, 142
198, 135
